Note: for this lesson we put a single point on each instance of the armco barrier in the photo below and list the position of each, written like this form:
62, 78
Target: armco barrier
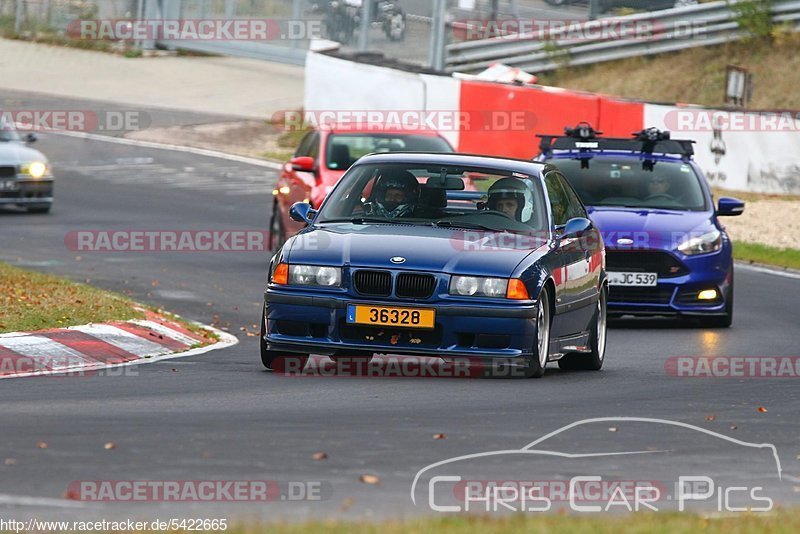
760, 156
586, 43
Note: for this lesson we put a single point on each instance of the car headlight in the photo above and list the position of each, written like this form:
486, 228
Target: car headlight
710, 242
473, 286
309, 275
37, 169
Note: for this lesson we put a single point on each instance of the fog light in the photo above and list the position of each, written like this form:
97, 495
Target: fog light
708, 294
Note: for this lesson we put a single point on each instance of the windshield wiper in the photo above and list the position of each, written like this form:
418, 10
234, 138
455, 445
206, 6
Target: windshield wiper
365, 220
465, 225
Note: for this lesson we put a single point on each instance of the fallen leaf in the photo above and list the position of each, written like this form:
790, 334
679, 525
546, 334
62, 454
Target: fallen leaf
319, 456
761, 409
174, 370
612, 429
10, 461
346, 504
439, 436
41, 445
711, 417
110, 445
734, 427
369, 479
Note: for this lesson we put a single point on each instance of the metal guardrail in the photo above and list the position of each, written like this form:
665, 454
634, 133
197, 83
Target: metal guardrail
671, 30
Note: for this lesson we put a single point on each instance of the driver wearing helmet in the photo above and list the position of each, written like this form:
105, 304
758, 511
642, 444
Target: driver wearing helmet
396, 194
512, 197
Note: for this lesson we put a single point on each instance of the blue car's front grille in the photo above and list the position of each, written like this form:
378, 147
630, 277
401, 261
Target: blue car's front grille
640, 295
415, 286
664, 264
373, 283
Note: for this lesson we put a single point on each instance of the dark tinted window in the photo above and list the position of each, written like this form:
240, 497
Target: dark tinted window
559, 202
345, 149
575, 208
603, 181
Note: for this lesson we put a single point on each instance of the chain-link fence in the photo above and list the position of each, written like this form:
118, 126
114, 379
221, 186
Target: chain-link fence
41, 16
414, 31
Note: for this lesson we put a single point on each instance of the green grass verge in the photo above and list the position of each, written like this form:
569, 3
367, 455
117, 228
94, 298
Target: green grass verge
672, 523
31, 301
756, 253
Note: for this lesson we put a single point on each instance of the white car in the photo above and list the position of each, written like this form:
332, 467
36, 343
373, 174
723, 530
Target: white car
25, 176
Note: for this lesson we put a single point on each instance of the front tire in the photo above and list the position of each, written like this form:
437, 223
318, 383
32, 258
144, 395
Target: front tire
593, 361
277, 235
275, 361
541, 349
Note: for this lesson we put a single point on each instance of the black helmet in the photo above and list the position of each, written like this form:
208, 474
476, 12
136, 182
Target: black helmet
516, 189
396, 179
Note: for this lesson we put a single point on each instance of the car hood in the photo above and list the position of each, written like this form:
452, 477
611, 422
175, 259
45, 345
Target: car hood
648, 228
14, 153
424, 248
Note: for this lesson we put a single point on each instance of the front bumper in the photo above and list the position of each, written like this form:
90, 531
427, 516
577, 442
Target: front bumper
677, 296
316, 324
29, 192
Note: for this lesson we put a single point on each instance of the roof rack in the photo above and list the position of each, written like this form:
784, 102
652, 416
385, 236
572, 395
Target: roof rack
585, 139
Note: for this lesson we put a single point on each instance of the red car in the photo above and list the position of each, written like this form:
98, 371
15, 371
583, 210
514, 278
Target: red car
323, 157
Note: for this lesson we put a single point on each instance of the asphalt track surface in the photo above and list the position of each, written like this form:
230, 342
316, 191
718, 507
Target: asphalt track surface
220, 416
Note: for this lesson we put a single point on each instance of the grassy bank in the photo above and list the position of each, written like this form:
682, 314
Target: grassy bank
696, 75
32, 301
775, 523
757, 253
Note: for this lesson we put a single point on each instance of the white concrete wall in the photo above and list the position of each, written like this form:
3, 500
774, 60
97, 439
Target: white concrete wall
748, 152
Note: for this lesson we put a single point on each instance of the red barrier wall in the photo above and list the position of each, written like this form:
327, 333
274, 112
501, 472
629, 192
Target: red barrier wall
620, 118
544, 111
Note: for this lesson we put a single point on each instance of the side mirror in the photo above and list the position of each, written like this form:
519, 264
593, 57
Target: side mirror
302, 212
730, 207
30, 138
575, 227
303, 164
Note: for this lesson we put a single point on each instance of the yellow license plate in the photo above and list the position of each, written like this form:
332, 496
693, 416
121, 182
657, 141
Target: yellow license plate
391, 316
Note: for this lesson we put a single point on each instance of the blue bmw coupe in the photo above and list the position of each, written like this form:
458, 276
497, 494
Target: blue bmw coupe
441, 255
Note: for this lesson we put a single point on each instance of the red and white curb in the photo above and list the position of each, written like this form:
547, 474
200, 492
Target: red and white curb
93, 347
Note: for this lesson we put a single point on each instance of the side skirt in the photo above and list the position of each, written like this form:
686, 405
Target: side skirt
562, 346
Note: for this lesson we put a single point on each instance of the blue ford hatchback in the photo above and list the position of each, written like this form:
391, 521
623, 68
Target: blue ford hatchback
667, 252
442, 255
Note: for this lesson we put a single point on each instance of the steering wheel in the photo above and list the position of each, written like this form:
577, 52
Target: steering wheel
665, 196
501, 213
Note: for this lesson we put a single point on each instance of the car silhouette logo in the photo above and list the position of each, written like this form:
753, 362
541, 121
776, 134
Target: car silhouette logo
625, 241
398, 260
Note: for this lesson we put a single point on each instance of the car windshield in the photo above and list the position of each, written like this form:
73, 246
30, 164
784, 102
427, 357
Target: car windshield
671, 185
346, 149
485, 199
